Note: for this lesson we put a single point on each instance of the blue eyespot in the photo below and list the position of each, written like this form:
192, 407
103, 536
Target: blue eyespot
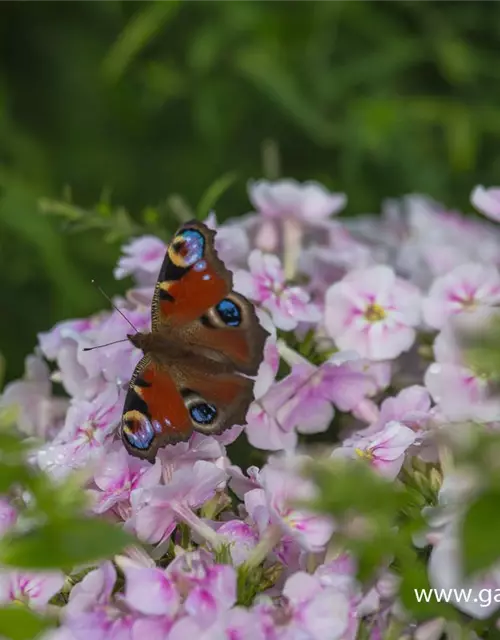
194, 246
203, 413
229, 313
138, 431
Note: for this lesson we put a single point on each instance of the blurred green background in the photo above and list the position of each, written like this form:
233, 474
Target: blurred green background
122, 104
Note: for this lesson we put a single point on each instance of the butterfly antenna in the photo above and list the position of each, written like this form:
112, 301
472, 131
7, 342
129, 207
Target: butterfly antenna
104, 345
114, 307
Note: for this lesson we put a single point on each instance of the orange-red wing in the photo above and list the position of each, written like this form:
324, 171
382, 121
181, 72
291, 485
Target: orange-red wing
155, 413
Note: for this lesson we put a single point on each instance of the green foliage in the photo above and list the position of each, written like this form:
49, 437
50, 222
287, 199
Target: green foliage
481, 532
17, 622
149, 99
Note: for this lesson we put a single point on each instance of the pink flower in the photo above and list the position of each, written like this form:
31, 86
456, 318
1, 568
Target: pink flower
62, 345
464, 289
411, 407
95, 589
282, 488
39, 413
150, 592
156, 510
240, 537
308, 202
458, 391
265, 284
307, 610
385, 451
34, 589
268, 425
231, 241
235, 624
208, 589
89, 426
373, 312
92, 612
142, 258
304, 400
487, 201
114, 363
118, 475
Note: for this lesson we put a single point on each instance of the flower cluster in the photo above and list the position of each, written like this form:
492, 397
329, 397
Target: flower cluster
352, 308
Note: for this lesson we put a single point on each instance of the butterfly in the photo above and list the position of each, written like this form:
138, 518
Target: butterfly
205, 341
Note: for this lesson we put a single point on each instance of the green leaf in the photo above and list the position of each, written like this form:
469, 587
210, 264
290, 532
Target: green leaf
415, 580
138, 33
17, 622
481, 532
64, 544
213, 193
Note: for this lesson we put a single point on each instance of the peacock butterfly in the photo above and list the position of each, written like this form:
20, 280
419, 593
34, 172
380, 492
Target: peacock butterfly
205, 340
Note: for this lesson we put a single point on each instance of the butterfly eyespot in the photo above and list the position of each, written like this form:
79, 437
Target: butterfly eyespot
137, 430
229, 313
187, 248
203, 413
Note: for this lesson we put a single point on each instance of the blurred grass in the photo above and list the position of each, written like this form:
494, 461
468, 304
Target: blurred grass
143, 100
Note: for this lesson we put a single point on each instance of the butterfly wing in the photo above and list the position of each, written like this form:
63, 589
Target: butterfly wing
194, 305
194, 298
165, 406
154, 413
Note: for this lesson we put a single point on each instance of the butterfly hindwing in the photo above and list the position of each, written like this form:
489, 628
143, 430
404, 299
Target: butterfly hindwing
165, 406
154, 413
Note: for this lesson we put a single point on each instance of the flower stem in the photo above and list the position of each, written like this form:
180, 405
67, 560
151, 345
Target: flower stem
270, 538
197, 525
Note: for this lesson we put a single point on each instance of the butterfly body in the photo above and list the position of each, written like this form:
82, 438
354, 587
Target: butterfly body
204, 343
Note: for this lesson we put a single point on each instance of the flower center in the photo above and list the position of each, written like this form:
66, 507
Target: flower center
365, 454
375, 313
469, 304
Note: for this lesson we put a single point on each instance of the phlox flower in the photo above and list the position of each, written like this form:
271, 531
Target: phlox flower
411, 407
282, 487
33, 589
309, 202
156, 510
118, 475
385, 450
459, 392
304, 400
487, 201
39, 413
423, 240
327, 263
306, 610
463, 290
62, 344
241, 538
116, 362
373, 312
231, 242
88, 427
150, 591
265, 284
207, 589
92, 612
142, 259
237, 623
